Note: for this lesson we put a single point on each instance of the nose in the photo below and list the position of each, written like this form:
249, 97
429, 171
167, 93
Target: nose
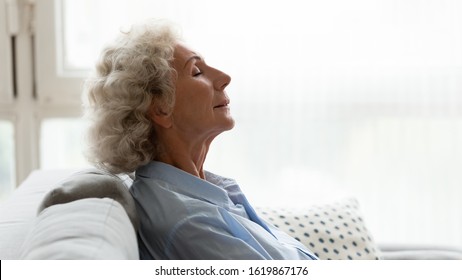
222, 80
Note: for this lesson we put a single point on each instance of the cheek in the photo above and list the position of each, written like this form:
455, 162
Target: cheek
193, 96
189, 108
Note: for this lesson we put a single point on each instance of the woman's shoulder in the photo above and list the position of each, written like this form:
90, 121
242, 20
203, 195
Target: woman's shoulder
166, 203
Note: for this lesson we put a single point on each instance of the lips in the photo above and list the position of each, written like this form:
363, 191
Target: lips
222, 104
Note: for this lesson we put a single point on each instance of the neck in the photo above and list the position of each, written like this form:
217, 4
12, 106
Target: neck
188, 156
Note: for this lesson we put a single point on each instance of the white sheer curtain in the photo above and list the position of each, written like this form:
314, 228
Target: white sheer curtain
364, 95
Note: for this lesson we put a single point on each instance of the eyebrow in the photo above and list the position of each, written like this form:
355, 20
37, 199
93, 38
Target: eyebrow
196, 57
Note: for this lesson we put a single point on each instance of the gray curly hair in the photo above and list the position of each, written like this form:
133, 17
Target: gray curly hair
132, 74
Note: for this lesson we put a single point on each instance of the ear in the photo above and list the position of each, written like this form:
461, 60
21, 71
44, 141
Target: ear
160, 117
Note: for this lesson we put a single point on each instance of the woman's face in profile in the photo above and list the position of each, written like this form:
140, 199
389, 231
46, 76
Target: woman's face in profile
201, 104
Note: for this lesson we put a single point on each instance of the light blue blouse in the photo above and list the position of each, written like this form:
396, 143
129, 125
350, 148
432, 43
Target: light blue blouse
185, 217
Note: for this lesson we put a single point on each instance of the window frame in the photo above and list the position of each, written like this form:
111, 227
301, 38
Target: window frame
6, 55
54, 84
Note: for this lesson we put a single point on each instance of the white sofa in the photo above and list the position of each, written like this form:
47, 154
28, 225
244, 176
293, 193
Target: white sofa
103, 228
93, 228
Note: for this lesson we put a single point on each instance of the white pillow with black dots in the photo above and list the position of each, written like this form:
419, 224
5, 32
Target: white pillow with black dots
332, 232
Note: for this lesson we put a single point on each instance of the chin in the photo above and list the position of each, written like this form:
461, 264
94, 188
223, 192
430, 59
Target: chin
226, 126
231, 124
223, 125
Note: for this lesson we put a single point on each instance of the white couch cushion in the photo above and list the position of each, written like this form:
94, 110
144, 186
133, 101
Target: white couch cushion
17, 212
91, 228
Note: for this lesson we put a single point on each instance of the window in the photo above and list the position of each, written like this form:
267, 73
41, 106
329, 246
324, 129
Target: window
6, 158
6, 87
61, 142
360, 94
7, 155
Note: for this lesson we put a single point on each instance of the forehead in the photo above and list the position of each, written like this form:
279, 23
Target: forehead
182, 53
183, 57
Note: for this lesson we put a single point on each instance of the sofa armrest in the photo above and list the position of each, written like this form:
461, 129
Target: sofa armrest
92, 183
91, 228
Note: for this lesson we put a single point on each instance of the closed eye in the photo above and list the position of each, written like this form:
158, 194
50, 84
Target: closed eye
196, 72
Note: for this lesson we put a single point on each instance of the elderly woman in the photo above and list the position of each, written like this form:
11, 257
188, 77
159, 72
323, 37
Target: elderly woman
156, 106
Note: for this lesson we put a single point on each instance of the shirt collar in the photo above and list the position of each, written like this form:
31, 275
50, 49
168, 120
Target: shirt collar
211, 189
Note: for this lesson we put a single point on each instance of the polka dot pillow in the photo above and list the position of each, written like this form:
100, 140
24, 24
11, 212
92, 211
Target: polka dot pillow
332, 232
